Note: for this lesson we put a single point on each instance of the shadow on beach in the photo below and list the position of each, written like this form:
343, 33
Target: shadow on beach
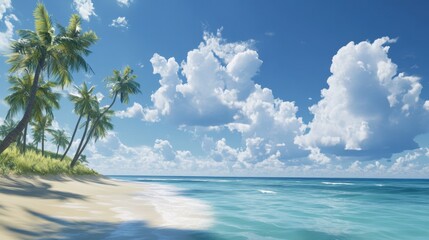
56, 228
35, 189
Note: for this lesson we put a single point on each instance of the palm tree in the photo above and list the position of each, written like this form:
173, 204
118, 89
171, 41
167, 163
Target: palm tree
39, 127
84, 103
100, 130
44, 101
82, 159
43, 51
104, 124
122, 84
6, 127
37, 138
59, 138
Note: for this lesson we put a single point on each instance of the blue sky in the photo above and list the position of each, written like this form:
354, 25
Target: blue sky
240, 89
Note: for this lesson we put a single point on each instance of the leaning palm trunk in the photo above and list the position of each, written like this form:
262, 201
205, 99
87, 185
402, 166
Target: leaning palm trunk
91, 131
72, 138
43, 143
18, 141
13, 135
58, 148
76, 156
24, 139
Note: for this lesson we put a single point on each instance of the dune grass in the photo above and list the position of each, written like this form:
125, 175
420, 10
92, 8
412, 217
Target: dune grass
12, 162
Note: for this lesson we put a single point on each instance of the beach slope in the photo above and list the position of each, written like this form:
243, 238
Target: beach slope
96, 208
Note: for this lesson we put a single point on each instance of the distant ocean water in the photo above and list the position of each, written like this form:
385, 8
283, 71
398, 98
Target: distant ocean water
306, 208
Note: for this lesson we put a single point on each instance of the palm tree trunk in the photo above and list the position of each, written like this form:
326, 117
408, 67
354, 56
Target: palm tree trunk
25, 139
43, 143
76, 156
18, 142
58, 148
71, 140
12, 136
91, 131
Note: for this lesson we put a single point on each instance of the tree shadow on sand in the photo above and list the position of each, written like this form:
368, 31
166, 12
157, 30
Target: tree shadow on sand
39, 189
55, 228
35, 189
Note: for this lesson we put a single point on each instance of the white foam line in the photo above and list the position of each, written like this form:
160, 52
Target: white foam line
266, 191
177, 211
337, 183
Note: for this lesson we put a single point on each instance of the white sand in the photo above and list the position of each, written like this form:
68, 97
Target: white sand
96, 208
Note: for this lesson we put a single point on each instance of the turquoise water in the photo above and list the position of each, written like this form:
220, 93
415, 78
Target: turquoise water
313, 209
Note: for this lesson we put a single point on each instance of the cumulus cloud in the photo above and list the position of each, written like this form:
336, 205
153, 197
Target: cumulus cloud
124, 3
120, 22
6, 36
5, 5
218, 91
369, 109
217, 75
135, 110
85, 8
112, 156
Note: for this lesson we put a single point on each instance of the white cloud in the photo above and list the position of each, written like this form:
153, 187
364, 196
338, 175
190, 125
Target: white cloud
164, 148
124, 3
135, 110
426, 105
273, 121
6, 36
219, 92
85, 8
217, 75
120, 22
368, 109
5, 5
112, 156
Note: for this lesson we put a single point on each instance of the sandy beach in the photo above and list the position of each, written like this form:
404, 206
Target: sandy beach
96, 208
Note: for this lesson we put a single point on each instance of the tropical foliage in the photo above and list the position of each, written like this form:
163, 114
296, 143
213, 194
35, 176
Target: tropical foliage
121, 84
44, 51
13, 162
45, 101
41, 62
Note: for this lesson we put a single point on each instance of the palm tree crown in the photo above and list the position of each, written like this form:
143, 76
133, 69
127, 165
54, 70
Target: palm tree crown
84, 99
43, 51
120, 83
7, 126
39, 127
46, 100
85, 102
104, 124
59, 138
123, 84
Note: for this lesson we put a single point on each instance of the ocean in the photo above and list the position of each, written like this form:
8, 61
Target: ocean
301, 208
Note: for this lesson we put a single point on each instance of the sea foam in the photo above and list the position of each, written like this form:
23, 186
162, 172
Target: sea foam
266, 191
177, 211
337, 183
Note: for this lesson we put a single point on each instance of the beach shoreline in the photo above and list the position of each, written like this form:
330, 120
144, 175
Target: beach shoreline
96, 207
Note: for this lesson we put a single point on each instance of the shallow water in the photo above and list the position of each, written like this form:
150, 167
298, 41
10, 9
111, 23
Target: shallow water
303, 208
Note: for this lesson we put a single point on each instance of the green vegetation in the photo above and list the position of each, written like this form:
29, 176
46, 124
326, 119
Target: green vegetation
33, 163
39, 61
